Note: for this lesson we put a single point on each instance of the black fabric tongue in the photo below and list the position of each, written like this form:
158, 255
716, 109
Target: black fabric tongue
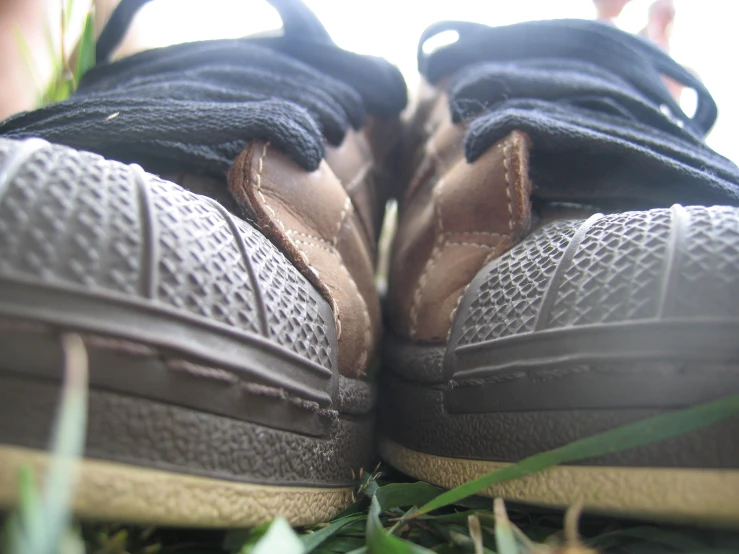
194, 106
604, 126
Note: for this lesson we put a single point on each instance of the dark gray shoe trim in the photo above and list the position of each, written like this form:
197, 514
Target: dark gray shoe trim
415, 416
204, 342
145, 433
530, 371
417, 362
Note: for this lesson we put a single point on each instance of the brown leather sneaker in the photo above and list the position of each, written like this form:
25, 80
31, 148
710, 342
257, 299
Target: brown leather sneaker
229, 335
541, 288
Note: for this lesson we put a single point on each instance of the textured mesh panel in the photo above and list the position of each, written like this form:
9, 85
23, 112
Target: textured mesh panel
122, 258
508, 299
77, 219
292, 310
21, 250
200, 266
616, 274
707, 283
57, 221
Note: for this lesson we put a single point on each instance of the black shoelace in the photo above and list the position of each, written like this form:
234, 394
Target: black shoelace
194, 106
605, 127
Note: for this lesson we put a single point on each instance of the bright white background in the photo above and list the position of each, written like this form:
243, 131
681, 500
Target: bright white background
704, 35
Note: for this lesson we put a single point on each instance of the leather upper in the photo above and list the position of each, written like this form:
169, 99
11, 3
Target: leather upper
455, 218
325, 222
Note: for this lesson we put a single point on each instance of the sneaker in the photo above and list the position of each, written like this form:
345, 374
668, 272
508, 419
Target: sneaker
230, 320
566, 262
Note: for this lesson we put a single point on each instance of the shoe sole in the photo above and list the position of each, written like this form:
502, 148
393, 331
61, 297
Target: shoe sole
210, 366
585, 326
707, 497
160, 463
119, 492
691, 477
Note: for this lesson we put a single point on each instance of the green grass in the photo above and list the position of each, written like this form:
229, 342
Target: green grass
391, 514
67, 68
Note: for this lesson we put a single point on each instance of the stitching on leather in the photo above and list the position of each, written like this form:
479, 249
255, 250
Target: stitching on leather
435, 253
306, 259
260, 171
365, 311
342, 218
476, 234
506, 166
496, 251
475, 244
454, 310
304, 256
496, 248
311, 237
258, 188
441, 240
328, 248
421, 285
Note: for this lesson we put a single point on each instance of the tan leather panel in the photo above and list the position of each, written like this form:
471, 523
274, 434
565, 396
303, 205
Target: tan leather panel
353, 164
441, 152
461, 217
312, 219
431, 111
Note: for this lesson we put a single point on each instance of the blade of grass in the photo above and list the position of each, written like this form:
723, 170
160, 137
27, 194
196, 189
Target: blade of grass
643, 432
476, 534
68, 439
280, 537
28, 520
396, 495
239, 539
380, 541
311, 541
457, 518
68, 8
504, 538
52, 53
64, 21
86, 51
72, 543
42, 522
30, 507
654, 535
28, 60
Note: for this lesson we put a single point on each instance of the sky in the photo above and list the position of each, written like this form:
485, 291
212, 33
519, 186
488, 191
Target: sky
704, 34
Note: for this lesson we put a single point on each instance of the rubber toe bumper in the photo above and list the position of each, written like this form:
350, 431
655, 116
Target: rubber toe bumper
215, 397
584, 326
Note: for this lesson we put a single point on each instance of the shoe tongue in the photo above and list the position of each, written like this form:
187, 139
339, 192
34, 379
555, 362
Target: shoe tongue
194, 106
604, 126
380, 85
297, 21
638, 63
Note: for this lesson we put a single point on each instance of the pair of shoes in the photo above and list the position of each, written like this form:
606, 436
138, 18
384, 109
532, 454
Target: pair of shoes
542, 289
